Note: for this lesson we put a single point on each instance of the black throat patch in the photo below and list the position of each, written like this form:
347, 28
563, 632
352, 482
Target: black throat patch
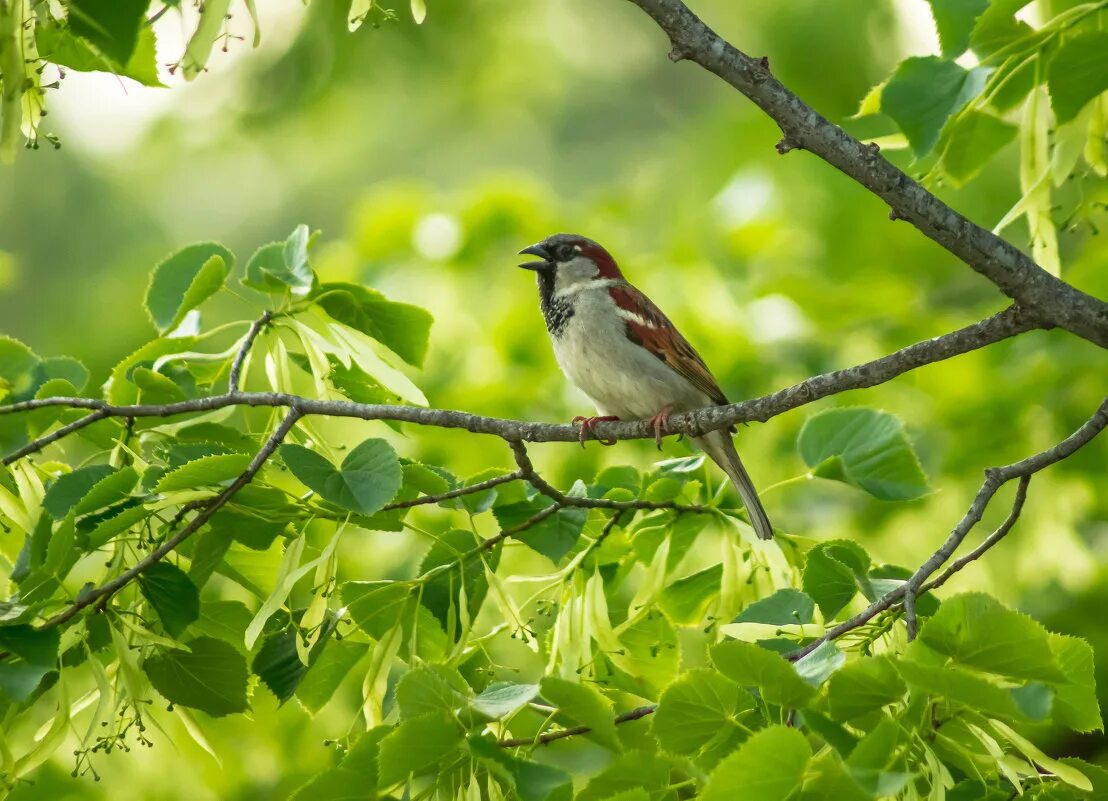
556, 311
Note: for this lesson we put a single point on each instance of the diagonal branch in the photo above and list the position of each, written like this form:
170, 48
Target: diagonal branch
109, 588
995, 478
1000, 262
1000, 326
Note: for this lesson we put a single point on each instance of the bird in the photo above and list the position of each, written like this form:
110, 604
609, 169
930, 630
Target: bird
617, 347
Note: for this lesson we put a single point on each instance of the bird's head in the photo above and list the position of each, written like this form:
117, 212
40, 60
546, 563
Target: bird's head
569, 259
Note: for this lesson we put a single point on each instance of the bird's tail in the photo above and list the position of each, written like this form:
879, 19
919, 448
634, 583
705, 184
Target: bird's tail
718, 445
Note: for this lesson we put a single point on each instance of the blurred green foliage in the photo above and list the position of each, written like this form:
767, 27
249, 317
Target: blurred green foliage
430, 155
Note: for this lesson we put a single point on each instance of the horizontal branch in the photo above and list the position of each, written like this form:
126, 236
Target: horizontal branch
1008, 323
1016, 274
549, 737
995, 478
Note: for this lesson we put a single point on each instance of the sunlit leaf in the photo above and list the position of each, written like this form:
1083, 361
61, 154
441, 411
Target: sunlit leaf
210, 676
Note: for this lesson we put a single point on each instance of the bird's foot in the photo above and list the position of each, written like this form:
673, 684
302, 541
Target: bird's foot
660, 421
587, 424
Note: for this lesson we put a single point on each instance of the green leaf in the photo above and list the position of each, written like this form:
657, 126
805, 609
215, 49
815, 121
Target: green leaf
112, 26
553, 537
751, 665
184, 281
1075, 701
629, 771
211, 676
530, 780
64, 368
767, 767
327, 673
826, 779
686, 600
279, 266
864, 686
785, 607
961, 687
33, 654
980, 632
441, 594
336, 784
121, 389
817, 666
369, 477
870, 451
204, 472
364, 755
401, 327
828, 581
155, 387
108, 491
583, 705
501, 699
430, 690
700, 708
68, 490
418, 746
922, 93
17, 368
954, 20
376, 606
1078, 73
973, 139
172, 594
278, 664
225, 620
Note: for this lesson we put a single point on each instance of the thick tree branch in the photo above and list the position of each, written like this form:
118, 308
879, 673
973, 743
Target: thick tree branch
1005, 265
109, 588
1008, 323
995, 478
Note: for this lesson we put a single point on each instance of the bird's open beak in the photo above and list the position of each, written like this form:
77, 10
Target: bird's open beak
541, 252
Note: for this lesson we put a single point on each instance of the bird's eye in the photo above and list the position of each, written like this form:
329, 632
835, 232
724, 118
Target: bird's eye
565, 252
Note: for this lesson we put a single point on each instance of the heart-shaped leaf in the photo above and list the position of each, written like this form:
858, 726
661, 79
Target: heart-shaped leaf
368, 478
865, 448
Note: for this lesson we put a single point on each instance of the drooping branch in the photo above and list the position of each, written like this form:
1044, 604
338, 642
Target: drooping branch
995, 478
1016, 274
1000, 326
111, 587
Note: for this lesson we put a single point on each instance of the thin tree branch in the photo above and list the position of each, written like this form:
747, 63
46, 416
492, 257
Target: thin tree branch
54, 436
995, 478
999, 534
455, 493
109, 588
527, 468
549, 737
1008, 323
1016, 274
235, 380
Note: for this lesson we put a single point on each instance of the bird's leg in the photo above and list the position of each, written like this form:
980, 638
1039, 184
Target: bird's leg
659, 421
587, 423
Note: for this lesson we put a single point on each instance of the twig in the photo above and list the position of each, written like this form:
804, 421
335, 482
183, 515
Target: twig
54, 436
1012, 271
256, 327
455, 493
511, 531
995, 478
109, 588
999, 534
549, 737
1010, 322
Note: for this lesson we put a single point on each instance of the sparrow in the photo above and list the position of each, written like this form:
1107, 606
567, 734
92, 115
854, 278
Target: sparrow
618, 348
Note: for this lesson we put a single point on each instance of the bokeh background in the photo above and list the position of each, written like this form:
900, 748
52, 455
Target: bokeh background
429, 155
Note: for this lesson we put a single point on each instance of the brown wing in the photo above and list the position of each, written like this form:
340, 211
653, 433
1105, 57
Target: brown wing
649, 327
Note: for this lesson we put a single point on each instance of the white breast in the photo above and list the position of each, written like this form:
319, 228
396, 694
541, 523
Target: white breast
620, 377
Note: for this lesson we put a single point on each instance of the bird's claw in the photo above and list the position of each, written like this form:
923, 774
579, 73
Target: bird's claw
587, 424
660, 421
